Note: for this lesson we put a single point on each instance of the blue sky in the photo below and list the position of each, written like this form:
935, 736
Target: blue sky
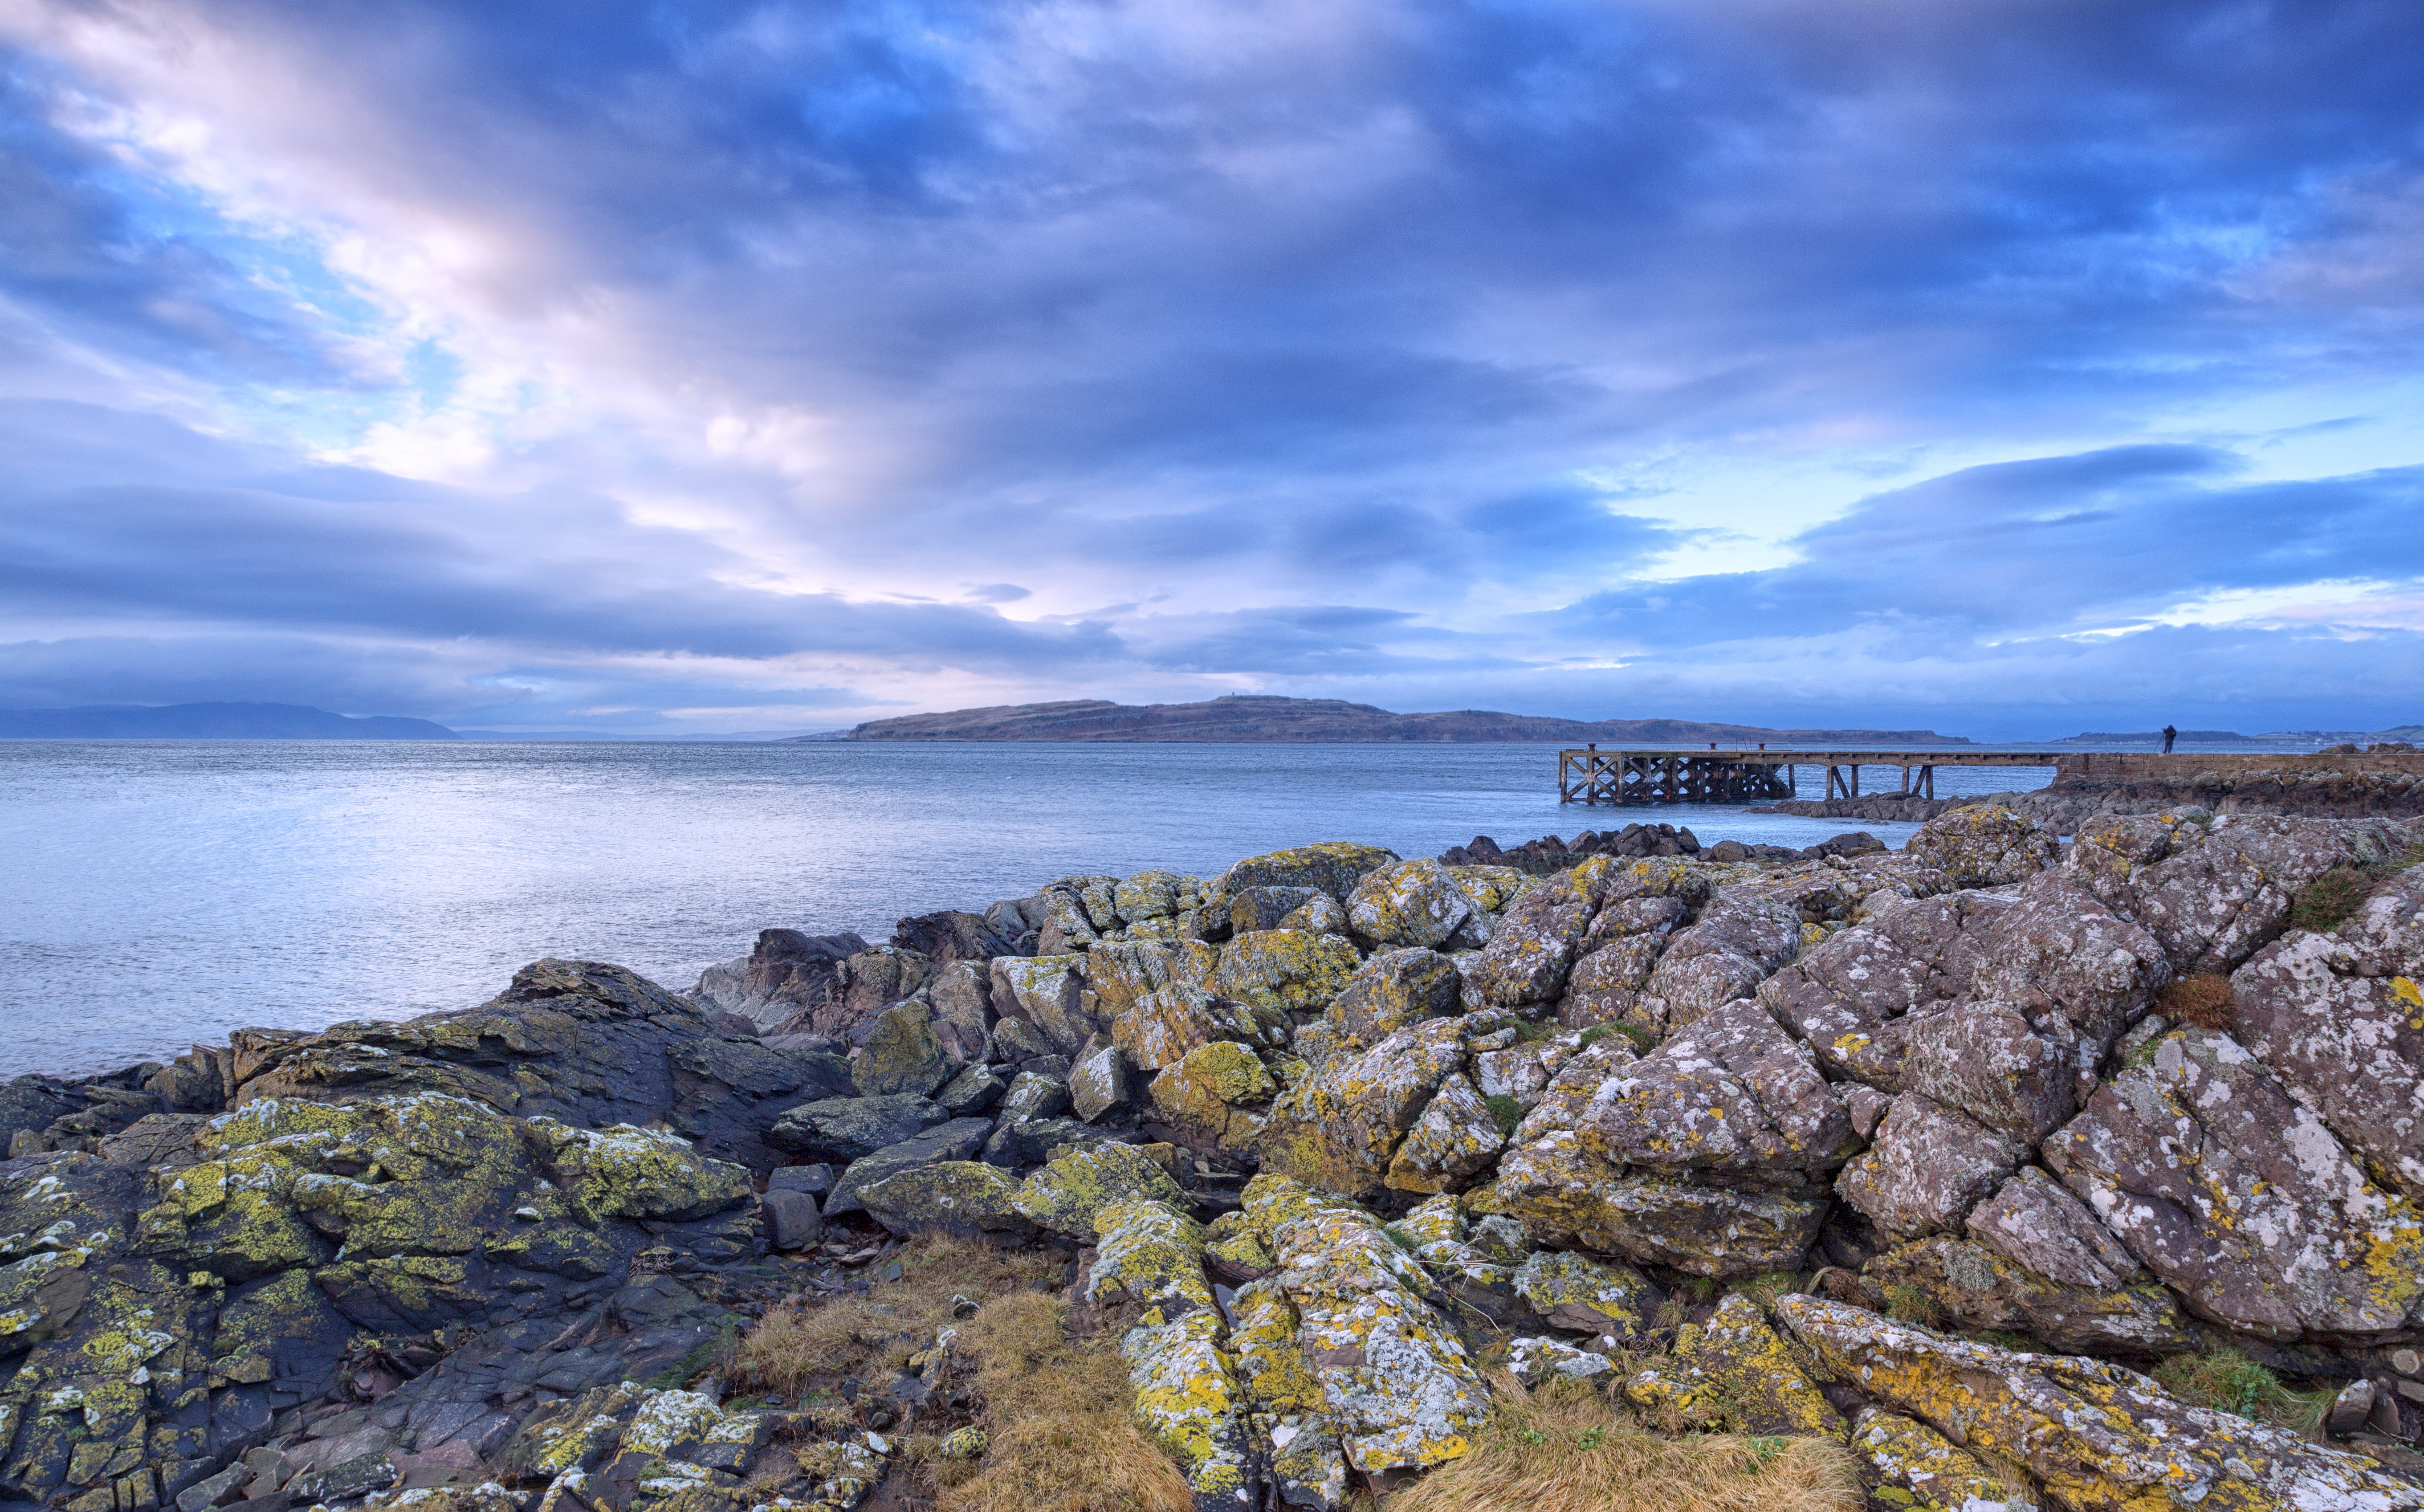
2008, 368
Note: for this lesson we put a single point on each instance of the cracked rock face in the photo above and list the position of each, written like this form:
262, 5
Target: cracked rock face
2213, 891
2339, 1018
1408, 903
1731, 1092
1565, 1195
2097, 1436
1929, 1167
2240, 1197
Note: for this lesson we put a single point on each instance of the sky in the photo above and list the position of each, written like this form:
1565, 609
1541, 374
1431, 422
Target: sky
2012, 368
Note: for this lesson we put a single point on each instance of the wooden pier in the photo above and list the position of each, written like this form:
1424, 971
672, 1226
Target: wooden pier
1591, 776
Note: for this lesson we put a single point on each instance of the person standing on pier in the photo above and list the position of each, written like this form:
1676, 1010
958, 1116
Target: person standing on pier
2169, 736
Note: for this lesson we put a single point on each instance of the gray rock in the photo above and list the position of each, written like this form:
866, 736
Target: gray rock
973, 1091
967, 1198
1566, 1196
792, 1221
1532, 951
1739, 940
1033, 1096
228, 1484
961, 992
1015, 1040
955, 1141
842, 1129
358, 1476
1016, 1145
1048, 994
1930, 1165
814, 1180
2041, 1227
1407, 904
1975, 1287
1099, 1083
787, 977
2347, 1414
1984, 845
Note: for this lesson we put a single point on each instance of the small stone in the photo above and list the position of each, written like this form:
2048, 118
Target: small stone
792, 1221
965, 1443
2407, 1363
814, 1180
2347, 1414
1537, 1357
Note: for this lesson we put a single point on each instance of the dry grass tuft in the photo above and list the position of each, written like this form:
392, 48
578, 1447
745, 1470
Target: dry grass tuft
1059, 1410
2204, 1000
806, 1341
1567, 1448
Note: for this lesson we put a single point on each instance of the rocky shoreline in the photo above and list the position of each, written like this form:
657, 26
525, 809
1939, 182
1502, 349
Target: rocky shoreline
2295, 790
1970, 1165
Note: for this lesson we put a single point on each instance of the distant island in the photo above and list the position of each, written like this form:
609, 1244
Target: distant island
1264, 717
211, 722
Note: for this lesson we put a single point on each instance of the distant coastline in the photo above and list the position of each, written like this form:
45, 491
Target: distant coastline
1268, 718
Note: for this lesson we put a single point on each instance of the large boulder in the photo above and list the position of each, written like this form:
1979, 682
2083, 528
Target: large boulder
1291, 970
590, 1044
902, 1054
786, 978
1215, 1101
957, 1139
1408, 903
1567, 1196
1966, 1283
841, 1129
1048, 992
2240, 1197
1928, 1168
2339, 1018
1338, 1128
1392, 990
967, 1198
1985, 845
159, 1333
1399, 1386
2095, 1434
1731, 1092
1332, 867
1149, 1263
1740, 940
1531, 953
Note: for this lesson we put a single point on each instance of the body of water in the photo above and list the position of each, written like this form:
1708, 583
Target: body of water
156, 893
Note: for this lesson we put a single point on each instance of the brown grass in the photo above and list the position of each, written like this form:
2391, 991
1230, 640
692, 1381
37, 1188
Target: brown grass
2204, 1000
1059, 1410
1567, 1448
806, 1343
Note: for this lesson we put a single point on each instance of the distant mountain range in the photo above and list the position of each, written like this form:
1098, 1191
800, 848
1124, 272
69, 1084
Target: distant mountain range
211, 722
1243, 717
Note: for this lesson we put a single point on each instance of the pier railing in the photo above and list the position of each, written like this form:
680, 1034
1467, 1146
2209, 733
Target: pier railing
1591, 776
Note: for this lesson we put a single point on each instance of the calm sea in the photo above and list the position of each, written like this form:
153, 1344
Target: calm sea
155, 893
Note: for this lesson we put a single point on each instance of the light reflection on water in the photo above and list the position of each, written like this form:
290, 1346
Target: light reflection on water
160, 893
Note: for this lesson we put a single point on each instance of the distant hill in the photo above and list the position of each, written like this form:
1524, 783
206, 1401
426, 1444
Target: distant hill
1244, 717
210, 722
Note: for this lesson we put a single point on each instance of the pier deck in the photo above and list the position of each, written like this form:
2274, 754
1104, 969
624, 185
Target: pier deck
1591, 776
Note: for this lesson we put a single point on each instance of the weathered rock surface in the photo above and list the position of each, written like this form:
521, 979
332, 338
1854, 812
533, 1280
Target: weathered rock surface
1929, 1167
1971, 1284
1565, 1195
787, 978
2095, 1434
1734, 1371
2240, 1197
1731, 1092
1408, 903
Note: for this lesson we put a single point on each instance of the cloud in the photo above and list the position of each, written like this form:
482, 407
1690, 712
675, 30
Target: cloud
897, 353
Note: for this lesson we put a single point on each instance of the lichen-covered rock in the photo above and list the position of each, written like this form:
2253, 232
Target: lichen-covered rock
1534, 1359
2041, 1227
1391, 991
968, 1198
1408, 903
1318, 915
589, 1043
902, 1055
2239, 1198
1571, 1087
1158, 1028
1565, 1195
1149, 1255
1985, 1059
975, 1089
1394, 1374
1049, 992
1098, 1083
1736, 1371
1069, 1192
1913, 1467
2339, 1018
1333, 867
1216, 1099
1148, 896
2213, 891
1455, 1141
1262, 908
1741, 939
1985, 845
1594, 1296
1967, 1284
2094, 1434
1928, 1168
1288, 969
1731, 1092
1533, 949
957, 1139
1338, 1128
1118, 972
